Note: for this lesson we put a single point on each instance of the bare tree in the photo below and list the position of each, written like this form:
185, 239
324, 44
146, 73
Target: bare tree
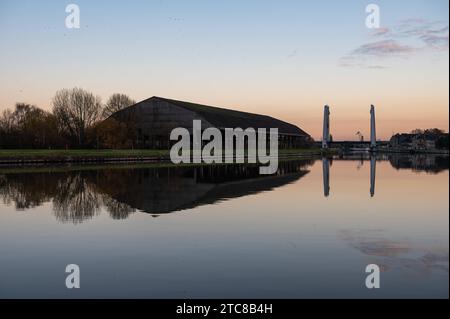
7, 121
28, 126
115, 103
76, 110
434, 131
417, 131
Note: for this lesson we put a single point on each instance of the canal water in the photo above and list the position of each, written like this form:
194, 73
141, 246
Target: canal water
151, 231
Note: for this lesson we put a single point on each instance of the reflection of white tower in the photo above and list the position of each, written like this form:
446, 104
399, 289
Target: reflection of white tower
373, 167
373, 132
326, 127
326, 176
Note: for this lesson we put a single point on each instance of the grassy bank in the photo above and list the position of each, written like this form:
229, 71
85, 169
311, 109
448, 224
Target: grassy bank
68, 156
4, 154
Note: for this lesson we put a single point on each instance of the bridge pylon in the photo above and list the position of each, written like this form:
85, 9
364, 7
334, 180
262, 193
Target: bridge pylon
326, 127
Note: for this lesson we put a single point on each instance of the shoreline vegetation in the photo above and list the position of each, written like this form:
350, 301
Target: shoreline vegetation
57, 156
65, 167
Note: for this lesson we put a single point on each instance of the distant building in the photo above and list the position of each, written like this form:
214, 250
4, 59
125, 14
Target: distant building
153, 120
401, 141
424, 142
418, 142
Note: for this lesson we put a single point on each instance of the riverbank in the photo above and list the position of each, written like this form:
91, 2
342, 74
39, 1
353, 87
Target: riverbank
108, 156
415, 151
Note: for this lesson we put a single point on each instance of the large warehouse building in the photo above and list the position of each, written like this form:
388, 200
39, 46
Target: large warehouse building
154, 119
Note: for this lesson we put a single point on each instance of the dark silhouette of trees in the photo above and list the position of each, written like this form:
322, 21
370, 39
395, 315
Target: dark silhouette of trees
443, 142
29, 127
115, 103
434, 131
77, 120
111, 134
6, 129
431, 131
417, 131
440, 137
76, 110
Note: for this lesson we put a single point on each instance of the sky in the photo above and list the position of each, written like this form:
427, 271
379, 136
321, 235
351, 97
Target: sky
282, 58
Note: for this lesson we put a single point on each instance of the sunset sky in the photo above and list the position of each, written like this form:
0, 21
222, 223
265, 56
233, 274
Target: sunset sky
281, 58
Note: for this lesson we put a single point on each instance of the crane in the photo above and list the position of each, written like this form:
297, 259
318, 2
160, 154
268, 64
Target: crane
361, 137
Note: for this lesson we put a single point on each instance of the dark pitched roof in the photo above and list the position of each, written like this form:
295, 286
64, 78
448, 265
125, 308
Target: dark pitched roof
225, 118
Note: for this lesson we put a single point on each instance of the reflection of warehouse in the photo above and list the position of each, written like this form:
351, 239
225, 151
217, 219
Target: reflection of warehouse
164, 190
153, 120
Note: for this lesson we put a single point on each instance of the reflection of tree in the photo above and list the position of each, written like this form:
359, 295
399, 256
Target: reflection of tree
428, 163
111, 184
420, 162
116, 209
76, 196
80, 195
75, 200
27, 191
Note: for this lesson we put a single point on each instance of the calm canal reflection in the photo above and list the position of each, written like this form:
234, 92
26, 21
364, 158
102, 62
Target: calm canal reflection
148, 231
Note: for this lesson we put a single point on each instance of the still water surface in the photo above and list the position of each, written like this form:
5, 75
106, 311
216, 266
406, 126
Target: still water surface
142, 231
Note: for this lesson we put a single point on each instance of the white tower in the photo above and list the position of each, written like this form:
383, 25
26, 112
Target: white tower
373, 131
326, 127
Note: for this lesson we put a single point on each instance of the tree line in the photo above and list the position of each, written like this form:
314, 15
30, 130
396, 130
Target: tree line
78, 119
442, 138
